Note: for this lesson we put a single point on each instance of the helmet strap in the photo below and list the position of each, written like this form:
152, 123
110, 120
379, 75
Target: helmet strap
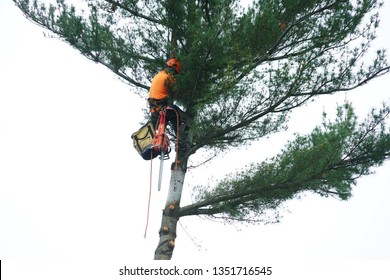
171, 70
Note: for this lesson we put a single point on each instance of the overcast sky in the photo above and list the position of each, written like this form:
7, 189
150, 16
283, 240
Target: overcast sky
72, 186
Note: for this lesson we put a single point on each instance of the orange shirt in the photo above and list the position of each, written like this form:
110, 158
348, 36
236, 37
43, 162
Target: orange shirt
161, 85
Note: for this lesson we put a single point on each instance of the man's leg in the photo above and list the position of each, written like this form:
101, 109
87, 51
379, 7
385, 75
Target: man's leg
154, 117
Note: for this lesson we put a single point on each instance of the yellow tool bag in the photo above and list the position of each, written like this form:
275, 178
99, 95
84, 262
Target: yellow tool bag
143, 141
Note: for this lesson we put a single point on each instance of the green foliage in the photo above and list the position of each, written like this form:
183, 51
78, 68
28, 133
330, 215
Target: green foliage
327, 162
244, 70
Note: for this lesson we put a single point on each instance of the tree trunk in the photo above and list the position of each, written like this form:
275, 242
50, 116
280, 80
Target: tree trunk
170, 215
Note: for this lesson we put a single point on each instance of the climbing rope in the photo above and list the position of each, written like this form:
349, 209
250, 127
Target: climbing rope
177, 138
150, 194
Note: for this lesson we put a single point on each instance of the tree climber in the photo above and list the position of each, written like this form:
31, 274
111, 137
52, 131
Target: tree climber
160, 96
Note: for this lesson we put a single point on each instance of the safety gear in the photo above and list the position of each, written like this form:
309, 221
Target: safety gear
175, 63
156, 105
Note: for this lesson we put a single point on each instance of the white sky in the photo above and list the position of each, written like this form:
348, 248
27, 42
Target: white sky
72, 186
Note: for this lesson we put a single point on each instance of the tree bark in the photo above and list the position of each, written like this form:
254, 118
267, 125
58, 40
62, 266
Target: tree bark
170, 215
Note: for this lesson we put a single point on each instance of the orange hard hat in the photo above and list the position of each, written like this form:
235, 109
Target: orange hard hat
175, 63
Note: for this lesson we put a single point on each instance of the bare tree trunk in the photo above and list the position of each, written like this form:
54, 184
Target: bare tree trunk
170, 216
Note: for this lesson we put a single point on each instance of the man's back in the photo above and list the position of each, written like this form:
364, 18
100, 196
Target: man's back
162, 83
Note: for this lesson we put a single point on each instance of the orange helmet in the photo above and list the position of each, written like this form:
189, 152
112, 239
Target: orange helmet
175, 63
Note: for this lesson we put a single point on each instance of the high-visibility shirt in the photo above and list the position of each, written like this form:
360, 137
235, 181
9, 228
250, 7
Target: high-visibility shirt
162, 84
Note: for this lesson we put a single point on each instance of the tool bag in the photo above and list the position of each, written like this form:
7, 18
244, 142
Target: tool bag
143, 141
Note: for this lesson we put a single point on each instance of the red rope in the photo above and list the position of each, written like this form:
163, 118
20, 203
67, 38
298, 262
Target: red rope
150, 194
177, 138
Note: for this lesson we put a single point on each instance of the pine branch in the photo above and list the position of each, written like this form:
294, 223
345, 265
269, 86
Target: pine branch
327, 167
135, 13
